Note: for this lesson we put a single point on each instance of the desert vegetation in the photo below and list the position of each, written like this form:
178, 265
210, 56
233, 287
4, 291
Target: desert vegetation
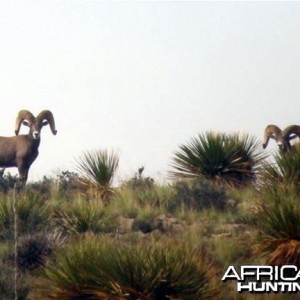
82, 236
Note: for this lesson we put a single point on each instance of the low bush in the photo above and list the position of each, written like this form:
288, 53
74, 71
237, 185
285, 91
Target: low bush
33, 214
101, 268
279, 227
197, 195
7, 288
34, 250
83, 216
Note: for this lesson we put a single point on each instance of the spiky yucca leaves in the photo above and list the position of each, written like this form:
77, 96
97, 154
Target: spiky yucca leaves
279, 216
82, 216
98, 169
35, 249
284, 173
102, 268
279, 223
231, 159
33, 214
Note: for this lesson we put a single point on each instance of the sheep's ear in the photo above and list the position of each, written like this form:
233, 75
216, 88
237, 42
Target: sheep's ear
45, 123
26, 123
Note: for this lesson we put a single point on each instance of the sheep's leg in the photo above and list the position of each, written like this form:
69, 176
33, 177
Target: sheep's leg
23, 175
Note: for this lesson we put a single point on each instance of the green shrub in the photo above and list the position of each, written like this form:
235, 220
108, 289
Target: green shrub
284, 173
130, 202
94, 268
139, 182
43, 188
144, 190
280, 227
7, 182
34, 250
33, 214
197, 195
83, 216
7, 288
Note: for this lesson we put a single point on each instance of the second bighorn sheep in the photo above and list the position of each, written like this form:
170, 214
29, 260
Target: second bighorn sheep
282, 137
21, 150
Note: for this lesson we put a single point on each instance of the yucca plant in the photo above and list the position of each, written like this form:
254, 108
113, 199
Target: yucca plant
35, 249
102, 268
284, 172
82, 216
279, 224
228, 159
97, 170
279, 217
33, 214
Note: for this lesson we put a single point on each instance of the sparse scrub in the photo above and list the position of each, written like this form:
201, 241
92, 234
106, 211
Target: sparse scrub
35, 249
33, 214
197, 195
7, 181
146, 240
68, 184
231, 249
43, 187
129, 202
139, 182
7, 283
124, 203
244, 205
146, 192
83, 216
63, 185
89, 268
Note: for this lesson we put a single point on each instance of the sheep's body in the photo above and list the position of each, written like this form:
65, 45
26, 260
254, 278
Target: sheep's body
21, 150
16, 150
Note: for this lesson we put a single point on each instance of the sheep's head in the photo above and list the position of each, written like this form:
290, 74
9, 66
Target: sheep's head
35, 124
282, 137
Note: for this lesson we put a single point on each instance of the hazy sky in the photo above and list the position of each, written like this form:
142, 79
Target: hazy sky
144, 77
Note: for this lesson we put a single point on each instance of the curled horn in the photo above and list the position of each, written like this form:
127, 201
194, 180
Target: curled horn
23, 115
292, 129
271, 131
47, 115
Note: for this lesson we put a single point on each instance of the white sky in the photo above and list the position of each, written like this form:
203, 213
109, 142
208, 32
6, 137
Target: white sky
144, 77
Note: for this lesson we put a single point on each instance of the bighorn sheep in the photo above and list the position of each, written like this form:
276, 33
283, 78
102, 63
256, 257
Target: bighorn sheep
21, 150
282, 137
